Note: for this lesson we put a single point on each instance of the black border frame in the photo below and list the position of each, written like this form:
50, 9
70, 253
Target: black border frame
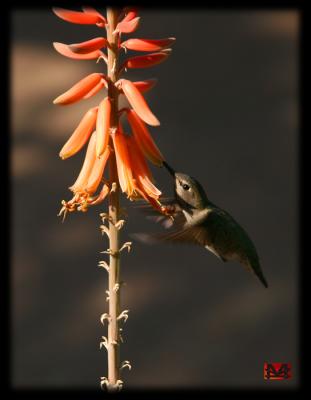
5, 199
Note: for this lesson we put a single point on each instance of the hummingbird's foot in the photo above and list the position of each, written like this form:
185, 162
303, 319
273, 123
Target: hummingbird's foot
105, 316
108, 295
104, 343
126, 245
123, 315
103, 264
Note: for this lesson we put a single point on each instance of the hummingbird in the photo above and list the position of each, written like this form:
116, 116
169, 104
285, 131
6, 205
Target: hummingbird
196, 220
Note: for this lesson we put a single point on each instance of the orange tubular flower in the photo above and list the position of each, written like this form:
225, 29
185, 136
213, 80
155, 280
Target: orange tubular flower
144, 139
100, 128
66, 51
127, 26
102, 83
137, 101
85, 172
145, 86
140, 169
80, 136
146, 61
88, 46
97, 171
91, 11
88, 180
77, 17
101, 197
148, 44
130, 13
123, 163
80, 89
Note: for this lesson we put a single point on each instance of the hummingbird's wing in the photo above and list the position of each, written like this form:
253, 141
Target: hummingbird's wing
196, 235
228, 238
220, 234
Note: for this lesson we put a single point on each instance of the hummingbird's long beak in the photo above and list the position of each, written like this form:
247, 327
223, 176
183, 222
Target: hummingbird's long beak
169, 168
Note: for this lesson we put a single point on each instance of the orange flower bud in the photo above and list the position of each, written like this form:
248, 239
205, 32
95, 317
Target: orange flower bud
145, 86
148, 44
76, 17
66, 51
79, 90
89, 45
130, 13
146, 61
87, 166
96, 88
144, 139
102, 126
80, 136
92, 11
137, 101
127, 26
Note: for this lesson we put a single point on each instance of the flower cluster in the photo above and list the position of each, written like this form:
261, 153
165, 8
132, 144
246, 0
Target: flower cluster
95, 129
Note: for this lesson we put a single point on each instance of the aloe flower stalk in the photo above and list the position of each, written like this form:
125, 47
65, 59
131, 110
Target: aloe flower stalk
100, 131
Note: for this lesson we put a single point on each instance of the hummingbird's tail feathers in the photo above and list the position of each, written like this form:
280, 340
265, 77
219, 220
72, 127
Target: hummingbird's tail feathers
255, 268
262, 279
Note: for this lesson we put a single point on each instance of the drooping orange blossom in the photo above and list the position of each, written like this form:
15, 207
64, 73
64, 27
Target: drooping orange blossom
131, 150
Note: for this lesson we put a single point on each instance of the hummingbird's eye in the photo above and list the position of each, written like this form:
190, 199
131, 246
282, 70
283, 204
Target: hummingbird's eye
185, 186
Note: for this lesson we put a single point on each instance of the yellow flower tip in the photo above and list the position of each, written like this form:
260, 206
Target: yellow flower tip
56, 101
63, 156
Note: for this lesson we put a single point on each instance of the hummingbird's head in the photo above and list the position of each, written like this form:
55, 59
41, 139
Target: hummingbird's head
190, 191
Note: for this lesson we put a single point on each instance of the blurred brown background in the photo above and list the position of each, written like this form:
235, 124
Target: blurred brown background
227, 99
